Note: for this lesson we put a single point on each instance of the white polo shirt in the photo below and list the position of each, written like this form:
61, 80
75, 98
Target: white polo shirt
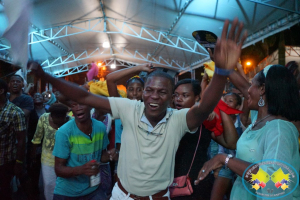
147, 157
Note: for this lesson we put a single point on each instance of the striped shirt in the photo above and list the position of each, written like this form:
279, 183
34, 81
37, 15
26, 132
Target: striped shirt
12, 120
78, 149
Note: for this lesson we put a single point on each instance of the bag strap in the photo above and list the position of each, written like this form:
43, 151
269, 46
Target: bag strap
195, 151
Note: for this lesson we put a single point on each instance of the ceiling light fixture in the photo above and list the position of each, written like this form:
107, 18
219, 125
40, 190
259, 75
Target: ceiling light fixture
113, 66
105, 45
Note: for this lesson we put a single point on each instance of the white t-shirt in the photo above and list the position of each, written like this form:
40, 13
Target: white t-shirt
147, 158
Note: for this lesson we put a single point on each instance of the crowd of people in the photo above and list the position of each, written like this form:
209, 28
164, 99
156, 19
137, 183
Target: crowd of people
90, 147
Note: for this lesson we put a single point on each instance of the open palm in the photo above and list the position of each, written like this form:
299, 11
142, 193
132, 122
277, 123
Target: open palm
228, 47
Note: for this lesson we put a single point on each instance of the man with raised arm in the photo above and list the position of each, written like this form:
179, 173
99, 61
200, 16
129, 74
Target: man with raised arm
151, 130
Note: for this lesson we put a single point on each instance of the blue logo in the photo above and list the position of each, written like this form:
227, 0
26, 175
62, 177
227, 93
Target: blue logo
270, 179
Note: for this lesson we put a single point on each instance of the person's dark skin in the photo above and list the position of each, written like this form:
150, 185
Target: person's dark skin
38, 101
229, 137
227, 53
184, 97
47, 96
21, 138
134, 88
238, 166
237, 78
39, 108
221, 184
55, 122
84, 123
15, 85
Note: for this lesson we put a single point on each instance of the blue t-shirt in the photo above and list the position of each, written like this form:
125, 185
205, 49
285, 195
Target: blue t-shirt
118, 130
78, 148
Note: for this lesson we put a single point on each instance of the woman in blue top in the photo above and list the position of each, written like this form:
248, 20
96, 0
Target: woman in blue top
274, 94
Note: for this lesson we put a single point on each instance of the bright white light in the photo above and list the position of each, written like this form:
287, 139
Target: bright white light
113, 66
105, 45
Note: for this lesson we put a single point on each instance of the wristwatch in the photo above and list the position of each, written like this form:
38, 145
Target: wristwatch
227, 159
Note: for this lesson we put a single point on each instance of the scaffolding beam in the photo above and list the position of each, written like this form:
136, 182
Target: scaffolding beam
182, 10
273, 28
4, 44
106, 52
273, 6
84, 68
97, 25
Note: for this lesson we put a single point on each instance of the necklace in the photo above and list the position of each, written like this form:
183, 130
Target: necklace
257, 122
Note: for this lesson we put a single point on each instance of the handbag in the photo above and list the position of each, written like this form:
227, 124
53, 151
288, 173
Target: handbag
181, 185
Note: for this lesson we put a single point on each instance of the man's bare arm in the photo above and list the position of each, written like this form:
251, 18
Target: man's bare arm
226, 55
71, 90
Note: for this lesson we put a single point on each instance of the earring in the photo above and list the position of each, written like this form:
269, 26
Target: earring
261, 102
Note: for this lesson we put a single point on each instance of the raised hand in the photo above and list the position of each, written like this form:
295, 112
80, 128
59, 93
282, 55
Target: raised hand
147, 67
228, 48
35, 68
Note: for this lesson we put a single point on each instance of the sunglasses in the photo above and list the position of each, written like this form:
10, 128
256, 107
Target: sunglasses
47, 95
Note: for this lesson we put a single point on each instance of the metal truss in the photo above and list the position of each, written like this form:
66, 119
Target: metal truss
120, 62
97, 25
272, 29
105, 26
257, 36
265, 3
51, 41
6, 58
194, 66
182, 10
290, 51
83, 68
69, 71
3, 44
106, 52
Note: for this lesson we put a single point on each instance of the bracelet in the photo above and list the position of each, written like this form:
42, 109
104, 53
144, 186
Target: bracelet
227, 159
19, 161
223, 72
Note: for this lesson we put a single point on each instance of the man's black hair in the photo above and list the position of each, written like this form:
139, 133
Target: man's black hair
16, 75
163, 75
3, 85
282, 93
292, 66
195, 84
58, 110
237, 97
